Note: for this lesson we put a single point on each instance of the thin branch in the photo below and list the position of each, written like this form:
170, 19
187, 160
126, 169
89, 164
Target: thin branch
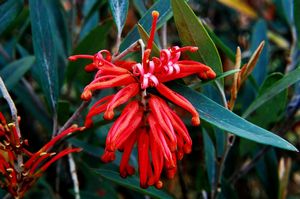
284, 127
75, 115
230, 141
117, 45
11, 104
246, 168
132, 48
164, 36
14, 115
74, 175
55, 124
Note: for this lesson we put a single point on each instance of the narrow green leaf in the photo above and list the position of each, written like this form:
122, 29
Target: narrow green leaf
8, 12
272, 91
131, 182
297, 19
140, 6
44, 49
220, 44
259, 34
145, 37
89, 149
14, 71
272, 108
165, 13
31, 105
192, 33
90, 44
210, 158
220, 76
119, 9
287, 7
217, 115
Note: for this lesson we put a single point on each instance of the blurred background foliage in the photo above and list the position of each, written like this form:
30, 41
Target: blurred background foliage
37, 36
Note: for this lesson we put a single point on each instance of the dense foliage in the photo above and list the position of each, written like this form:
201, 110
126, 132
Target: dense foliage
128, 99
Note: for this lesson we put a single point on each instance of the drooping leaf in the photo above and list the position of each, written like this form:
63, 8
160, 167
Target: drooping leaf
119, 9
192, 33
9, 10
14, 71
145, 37
131, 182
165, 13
272, 91
217, 115
210, 159
44, 49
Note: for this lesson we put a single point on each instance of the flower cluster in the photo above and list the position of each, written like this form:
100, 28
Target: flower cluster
18, 178
147, 119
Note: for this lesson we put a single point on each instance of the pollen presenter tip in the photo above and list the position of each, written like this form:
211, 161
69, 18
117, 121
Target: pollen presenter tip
195, 121
86, 95
155, 14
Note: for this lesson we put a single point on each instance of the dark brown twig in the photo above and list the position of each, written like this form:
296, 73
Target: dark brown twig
75, 115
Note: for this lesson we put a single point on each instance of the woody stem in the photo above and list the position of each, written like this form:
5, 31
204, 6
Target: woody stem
75, 115
132, 48
14, 115
230, 141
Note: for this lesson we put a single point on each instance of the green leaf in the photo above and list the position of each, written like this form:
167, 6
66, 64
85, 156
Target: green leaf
140, 6
259, 34
192, 33
131, 182
217, 115
165, 13
31, 105
287, 7
145, 37
272, 108
8, 12
89, 149
45, 50
272, 91
220, 76
210, 158
119, 9
220, 44
90, 44
14, 71
297, 19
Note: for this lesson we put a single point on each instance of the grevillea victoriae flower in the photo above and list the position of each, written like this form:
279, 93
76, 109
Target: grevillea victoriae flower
147, 119
18, 179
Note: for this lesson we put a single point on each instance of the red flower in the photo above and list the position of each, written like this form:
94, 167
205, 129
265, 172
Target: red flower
161, 136
17, 181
